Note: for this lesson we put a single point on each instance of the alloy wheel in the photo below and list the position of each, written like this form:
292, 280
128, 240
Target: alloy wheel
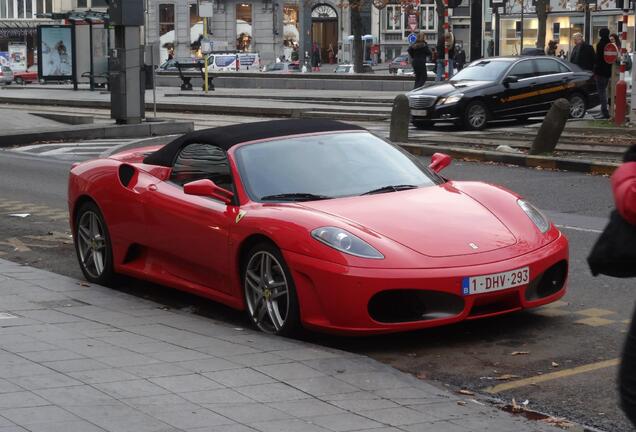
476, 116
92, 246
267, 292
577, 107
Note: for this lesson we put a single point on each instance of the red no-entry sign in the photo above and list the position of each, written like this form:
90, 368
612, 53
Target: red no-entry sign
610, 54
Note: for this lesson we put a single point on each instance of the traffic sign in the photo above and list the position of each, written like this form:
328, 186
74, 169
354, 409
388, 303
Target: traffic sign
610, 54
412, 38
412, 22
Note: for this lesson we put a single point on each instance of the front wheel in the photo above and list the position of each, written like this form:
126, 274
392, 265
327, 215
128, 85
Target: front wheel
270, 292
577, 106
475, 115
92, 245
19, 81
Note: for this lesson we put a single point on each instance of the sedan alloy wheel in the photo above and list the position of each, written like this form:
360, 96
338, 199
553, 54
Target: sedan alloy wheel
577, 106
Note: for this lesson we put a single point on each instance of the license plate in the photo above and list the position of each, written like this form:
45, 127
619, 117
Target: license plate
419, 113
495, 282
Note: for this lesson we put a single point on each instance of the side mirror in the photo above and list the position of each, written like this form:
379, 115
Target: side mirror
207, 188
439, 161
510, 79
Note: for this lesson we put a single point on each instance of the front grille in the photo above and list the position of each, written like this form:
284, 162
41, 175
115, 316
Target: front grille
421, 102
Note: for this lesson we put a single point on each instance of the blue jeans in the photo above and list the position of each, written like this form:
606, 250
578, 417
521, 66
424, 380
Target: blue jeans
440, 70
601, 86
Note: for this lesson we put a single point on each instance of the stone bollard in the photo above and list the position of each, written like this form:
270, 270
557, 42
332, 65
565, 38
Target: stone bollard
551, 128
400, 117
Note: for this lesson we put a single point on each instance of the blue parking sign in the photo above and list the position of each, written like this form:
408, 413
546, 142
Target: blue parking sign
412, 38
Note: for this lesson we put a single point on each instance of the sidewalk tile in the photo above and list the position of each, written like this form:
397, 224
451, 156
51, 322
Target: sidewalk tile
177, 355
186, 383
322, 386
97, 376
20, 369
443, 426
340, 365
187, 419
79, 365
129, 359
50, 316
49, 380
150, 348
129, 389
239, 377
221, 348
272, 392
22, 347
423, 391
76, 396
23, 399
13, 429
211, 364
34, 415
288, 426
304, 354
51, 355
248, 412
306, 408
260, 359
289, 371
344, 422
359, 405
375, 380
166, 401
398, 416
216, 396
157, 370
8, 387
74, 426
223, 428
5, 422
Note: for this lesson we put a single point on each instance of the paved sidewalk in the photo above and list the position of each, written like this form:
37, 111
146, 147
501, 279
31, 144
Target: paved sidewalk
80, 357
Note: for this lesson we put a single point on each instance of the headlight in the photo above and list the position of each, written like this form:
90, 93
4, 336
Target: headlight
345, 242
450, 100
535, 216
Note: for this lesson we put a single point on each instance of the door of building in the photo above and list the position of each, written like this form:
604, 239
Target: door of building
324, 29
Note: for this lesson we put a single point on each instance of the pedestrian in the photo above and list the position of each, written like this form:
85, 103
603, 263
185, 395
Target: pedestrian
460, 57
315, 58
615, 40
419, 52
552, 47
602, 72
331, 54
491, 48
563, 55
582, 54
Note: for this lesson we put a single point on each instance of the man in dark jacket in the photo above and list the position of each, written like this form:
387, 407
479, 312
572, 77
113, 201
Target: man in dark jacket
419, 52
460, 57
582, 53
602, 72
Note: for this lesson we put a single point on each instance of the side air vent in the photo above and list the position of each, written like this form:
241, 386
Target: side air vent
126, 173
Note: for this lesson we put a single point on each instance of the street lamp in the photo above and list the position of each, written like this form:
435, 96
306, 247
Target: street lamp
380, 5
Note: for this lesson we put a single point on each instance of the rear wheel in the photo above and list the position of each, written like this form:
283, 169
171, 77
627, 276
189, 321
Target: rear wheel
92, 245
577, 106
475, 115
270, 292
19, 81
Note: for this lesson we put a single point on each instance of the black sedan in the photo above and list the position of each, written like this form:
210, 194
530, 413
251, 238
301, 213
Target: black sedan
503, 88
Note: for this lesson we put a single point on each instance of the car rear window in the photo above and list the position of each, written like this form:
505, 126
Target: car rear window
547, 66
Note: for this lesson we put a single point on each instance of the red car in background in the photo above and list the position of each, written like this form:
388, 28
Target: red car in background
314, 223
28, 76
400, 62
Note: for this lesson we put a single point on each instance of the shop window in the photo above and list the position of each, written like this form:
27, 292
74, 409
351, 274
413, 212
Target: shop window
3, 8
244, 27
82, 4
196, 31
21, 9
428, 17
394, 18
166, 31
291, 33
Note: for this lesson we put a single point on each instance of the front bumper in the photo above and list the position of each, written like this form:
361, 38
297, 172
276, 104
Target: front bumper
336, 298
437, 113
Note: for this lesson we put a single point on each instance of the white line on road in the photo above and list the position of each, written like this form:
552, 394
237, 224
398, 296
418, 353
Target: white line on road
573, 228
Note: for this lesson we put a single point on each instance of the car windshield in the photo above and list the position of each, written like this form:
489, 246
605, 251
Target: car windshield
327, 166
483, 70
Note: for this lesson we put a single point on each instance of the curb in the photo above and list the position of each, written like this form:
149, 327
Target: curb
89, 132
531, 161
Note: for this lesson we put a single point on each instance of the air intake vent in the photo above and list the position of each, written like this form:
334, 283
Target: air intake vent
126, 173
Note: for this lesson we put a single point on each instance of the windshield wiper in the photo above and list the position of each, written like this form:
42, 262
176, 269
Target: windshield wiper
295, 196
390, 188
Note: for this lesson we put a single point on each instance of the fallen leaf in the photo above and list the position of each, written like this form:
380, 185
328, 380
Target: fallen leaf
466, 392
516, 353
558, 422
84, 284
421, 375
461, 403
555, 364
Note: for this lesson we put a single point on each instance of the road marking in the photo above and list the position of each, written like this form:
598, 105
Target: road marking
594, 321
595, 312
552, 376
573, 228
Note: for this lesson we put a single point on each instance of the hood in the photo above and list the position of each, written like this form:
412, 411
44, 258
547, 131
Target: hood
436, 221
449, 88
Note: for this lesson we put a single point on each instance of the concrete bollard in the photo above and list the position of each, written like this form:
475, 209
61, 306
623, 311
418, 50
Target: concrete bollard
400, 117
551, 128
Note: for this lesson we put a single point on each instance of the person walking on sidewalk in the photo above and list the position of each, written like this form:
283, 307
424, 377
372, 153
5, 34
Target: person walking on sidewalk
460, 57
315, 58
624, 189
602, 72
582, 54
419, 52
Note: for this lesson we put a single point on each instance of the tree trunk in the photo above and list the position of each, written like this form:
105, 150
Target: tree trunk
356, 30
542, 18
439, 6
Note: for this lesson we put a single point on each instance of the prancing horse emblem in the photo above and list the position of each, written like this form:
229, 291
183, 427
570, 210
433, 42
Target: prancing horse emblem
473, 245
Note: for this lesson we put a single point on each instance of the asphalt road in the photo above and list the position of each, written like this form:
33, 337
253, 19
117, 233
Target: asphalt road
556, 345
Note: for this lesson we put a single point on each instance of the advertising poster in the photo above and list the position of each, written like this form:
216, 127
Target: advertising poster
17, 57
4, 58
56, 52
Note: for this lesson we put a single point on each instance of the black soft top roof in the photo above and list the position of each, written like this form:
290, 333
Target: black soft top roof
228, 136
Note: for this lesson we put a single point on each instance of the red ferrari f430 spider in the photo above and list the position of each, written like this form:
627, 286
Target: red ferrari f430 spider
314, 223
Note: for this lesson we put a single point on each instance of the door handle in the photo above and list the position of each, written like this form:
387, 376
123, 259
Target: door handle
152, 187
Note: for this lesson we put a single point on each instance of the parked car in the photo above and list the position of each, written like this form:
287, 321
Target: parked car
6, 75
503, 88
408, 71
281, 67
348, 68
28, 76
400, 62
294, 222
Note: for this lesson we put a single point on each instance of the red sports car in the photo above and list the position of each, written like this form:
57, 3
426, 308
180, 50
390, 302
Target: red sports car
314, 223
27, 76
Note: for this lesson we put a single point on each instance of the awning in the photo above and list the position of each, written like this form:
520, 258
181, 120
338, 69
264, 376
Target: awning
21, 28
